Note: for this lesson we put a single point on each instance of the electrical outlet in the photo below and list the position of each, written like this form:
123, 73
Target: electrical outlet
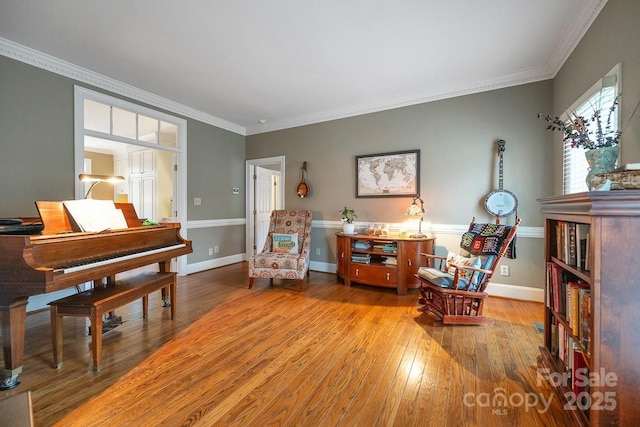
210, 251
197, 201
504, 270
317, 251
216, 249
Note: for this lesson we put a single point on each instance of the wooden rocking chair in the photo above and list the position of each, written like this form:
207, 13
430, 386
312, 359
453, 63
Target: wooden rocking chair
453, 292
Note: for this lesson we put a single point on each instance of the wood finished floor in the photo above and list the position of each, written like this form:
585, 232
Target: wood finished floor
327, 356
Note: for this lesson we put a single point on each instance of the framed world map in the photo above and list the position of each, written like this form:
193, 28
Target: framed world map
395, 174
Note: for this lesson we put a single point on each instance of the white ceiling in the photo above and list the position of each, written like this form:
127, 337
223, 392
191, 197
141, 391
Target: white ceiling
295, 62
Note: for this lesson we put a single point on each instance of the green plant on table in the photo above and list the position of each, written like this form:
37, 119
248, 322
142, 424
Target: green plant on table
348, 215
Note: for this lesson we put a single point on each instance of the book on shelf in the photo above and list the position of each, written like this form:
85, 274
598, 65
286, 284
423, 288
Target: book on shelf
553, 347
361, 258
390, 260
579, 371
582, 232
362, 244
556, 292
574, 310
390, 247
570, 257
562, 342
560, 240
585, 326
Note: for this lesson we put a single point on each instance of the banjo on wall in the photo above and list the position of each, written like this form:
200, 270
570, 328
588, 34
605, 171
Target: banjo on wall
501, 202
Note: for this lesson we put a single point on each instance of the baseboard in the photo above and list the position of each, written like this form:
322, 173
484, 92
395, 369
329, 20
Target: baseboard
516, 292
324, 267
495, 289
215, 263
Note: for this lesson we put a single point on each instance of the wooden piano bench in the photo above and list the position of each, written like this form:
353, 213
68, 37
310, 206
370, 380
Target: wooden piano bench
95, 302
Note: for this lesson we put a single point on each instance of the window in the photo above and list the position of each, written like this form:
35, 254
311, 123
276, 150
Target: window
600, 97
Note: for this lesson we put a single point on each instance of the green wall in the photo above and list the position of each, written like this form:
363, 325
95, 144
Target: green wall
456, 137
458, 167
37, 149
613, 38
36, 138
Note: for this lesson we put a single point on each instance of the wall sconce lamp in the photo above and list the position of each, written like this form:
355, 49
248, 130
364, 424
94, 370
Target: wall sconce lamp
95, 179
417, 211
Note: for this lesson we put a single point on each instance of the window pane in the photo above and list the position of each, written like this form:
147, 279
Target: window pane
168, 134
575, 166
147, 129
575, 170
124, 123
97, 116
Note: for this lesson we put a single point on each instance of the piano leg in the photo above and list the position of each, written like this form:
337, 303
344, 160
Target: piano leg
12, 326
165, 267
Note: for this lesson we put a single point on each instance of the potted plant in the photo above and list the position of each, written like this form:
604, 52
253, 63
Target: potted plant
594, 134
348, 215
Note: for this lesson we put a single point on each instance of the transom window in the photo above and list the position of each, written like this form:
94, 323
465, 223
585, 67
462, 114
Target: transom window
110, 120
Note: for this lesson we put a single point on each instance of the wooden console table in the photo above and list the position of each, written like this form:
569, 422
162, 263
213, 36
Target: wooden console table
388, 261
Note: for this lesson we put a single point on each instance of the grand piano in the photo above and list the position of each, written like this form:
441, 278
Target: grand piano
59, 257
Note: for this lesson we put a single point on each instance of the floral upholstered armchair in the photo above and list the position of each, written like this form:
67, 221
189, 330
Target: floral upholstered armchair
286, 250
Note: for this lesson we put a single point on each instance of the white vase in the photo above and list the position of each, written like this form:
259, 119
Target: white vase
348, 228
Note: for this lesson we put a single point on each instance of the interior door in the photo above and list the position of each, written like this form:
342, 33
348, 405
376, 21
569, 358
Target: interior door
266, 200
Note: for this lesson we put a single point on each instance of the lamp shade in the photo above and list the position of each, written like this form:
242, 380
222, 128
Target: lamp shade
414, 210
88, 177
95, 179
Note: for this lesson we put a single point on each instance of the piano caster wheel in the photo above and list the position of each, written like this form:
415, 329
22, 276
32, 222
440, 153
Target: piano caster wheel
9, 383
166, 303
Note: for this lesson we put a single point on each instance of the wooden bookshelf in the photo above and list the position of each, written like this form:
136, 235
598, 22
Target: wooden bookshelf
388, 261
591, 354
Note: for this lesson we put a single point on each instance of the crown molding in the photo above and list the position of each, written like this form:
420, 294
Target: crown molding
583, 20
577, 29
46, 62
528, 76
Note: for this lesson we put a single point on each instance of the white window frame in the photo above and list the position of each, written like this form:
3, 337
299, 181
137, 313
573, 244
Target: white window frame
574, 163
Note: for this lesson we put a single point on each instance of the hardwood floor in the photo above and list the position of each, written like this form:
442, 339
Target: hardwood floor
327, 356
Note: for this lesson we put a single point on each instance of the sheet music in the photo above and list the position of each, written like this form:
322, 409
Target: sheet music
95, 215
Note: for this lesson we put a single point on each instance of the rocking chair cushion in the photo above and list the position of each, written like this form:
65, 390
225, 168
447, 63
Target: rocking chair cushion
442, 279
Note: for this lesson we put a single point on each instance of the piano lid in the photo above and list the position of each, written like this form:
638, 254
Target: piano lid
21, 226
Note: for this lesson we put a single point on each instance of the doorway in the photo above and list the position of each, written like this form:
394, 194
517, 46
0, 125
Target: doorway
145, 146
265, 193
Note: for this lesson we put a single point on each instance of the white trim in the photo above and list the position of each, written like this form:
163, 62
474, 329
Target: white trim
515, 292
215, 263
516, 79
454, 229
82, 93
211, 223
587, 13
580, 25
58, 66
325, 267
250, 199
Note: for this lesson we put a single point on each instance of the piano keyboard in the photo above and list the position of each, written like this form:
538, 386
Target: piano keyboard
72, 269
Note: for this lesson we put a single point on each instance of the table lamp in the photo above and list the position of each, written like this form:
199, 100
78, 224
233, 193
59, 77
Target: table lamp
417, 211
